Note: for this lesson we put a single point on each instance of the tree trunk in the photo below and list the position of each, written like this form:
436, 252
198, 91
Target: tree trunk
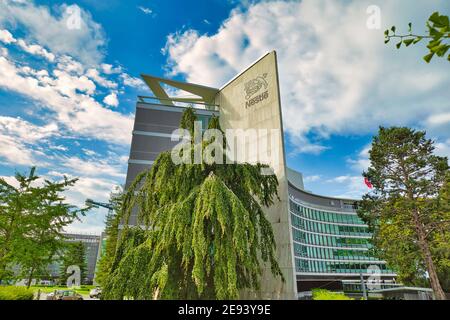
424, 247
5, 248
30, 278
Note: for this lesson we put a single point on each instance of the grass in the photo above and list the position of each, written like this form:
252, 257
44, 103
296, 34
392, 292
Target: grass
47, 289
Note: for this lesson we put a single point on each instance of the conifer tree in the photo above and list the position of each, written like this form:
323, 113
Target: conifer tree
33, 215
408, 208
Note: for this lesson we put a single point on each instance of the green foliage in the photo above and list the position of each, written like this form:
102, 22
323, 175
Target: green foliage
441, 239
73, 254
322, 294
205, 234
112, 232
15, 293
33, 215
438, 36
408, 209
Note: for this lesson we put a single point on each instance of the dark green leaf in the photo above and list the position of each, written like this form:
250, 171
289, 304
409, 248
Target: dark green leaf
408, 42
434, 18
418, 39
428, 57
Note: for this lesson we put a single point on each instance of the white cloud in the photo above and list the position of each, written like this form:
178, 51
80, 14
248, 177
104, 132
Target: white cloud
26, 131
89, 152
439, 119
111, 100
145, 10
6, 37
36, 49
348, 187
3, 52
443, 149
14, 152
93, 167
337, 76
68, 64
110, 69
17, 140
132, 81
70, 98
313, 178
59, 148
362, 162
95, 75
49, 28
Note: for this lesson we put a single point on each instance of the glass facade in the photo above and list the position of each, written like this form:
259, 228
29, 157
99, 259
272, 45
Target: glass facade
331, 242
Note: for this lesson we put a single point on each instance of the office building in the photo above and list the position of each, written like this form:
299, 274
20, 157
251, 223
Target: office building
321, 242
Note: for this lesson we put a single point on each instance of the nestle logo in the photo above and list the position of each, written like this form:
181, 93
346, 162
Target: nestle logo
252, 87
257, 99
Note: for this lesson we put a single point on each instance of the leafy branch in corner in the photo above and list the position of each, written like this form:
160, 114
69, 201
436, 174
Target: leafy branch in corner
438, 36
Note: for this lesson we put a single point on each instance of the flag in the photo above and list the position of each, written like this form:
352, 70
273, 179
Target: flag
367, 182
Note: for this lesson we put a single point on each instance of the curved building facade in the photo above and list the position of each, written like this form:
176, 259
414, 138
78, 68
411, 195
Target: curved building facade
331, 243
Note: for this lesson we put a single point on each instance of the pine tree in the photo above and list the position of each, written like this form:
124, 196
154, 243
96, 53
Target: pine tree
74, 254
205, 234
407, 210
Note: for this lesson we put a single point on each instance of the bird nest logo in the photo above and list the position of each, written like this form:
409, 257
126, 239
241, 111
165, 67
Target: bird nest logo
253, 87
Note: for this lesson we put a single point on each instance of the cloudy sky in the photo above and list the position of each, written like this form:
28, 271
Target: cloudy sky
68, 86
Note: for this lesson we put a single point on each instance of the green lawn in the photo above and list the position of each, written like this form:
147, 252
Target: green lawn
47, 289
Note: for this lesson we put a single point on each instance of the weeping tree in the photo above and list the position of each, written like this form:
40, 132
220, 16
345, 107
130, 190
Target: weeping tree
202, 231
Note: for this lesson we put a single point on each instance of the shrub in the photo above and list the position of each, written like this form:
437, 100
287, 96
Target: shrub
15, 293
322, 294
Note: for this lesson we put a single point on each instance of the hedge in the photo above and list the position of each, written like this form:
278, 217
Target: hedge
321, 294
15, 293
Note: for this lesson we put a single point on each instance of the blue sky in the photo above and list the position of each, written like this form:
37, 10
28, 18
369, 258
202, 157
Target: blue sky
67, 95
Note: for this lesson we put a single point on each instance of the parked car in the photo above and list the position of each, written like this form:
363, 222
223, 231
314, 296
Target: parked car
95, 293
69, 295
55, 295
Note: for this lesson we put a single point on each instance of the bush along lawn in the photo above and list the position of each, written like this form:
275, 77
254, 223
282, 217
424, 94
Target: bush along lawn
321, 294
15, 293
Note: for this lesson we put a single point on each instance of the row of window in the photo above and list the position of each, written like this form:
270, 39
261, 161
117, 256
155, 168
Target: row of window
328, 241
324, 216
328, 228
332, 254
333, 267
